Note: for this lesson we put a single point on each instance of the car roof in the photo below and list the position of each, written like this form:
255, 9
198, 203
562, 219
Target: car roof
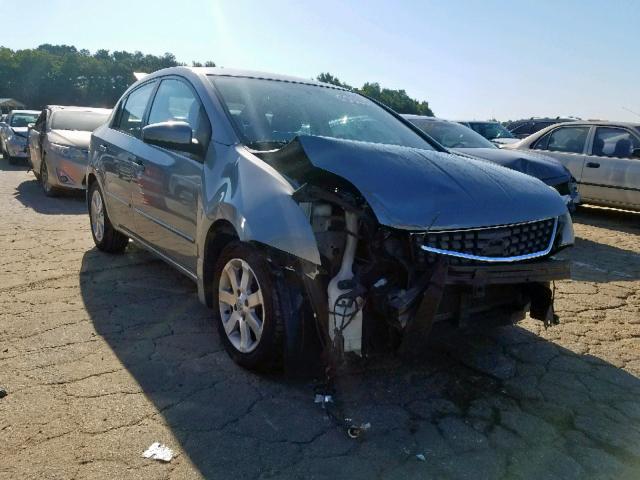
477, 121
23, 111
232, 72
600, 122
409, 116
78, 109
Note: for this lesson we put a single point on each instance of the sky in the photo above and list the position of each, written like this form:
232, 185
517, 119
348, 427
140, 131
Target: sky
470, 59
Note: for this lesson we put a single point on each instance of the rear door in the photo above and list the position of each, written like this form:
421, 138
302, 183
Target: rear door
567, 145
167, 190
611, 174
118, 148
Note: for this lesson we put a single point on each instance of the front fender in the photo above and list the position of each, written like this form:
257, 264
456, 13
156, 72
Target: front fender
252, 196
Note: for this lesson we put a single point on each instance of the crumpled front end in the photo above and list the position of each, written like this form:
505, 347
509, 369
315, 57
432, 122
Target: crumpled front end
391, 268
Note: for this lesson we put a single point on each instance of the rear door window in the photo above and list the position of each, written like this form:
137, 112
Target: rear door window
565, 139
614, 142
131, 116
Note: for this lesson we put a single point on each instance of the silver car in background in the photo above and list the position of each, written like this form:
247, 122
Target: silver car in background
58, 145
13, 134
604, 157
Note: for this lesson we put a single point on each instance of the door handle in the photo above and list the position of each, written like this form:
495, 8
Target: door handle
102, 148
137, 161
593, 165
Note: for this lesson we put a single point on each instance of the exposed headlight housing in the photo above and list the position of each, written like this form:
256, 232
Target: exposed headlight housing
565, 231
71, 153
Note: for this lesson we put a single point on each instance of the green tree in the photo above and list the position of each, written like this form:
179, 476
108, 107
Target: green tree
64, 75
397, 100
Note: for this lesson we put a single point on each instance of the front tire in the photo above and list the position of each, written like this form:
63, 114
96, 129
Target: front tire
249, 308
48, 189
106, 238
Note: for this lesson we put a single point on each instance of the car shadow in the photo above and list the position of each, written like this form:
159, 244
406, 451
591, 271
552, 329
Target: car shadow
623, 220
499, 404
602, 262
30, 194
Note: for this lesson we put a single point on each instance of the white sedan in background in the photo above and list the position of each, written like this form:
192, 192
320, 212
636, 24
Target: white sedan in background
13, 134
604, 157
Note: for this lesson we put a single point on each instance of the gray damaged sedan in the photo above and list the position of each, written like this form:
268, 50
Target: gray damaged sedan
315, 221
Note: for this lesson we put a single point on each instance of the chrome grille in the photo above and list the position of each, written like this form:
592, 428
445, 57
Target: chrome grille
505, 243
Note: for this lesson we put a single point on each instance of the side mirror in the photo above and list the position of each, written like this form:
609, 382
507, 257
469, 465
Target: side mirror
636, 153
31, 125
171, 135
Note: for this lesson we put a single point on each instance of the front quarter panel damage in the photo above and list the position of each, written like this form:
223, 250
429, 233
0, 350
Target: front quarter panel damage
256, 200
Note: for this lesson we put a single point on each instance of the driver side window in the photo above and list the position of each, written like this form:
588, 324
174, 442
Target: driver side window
175, 101
41, 122
565, 139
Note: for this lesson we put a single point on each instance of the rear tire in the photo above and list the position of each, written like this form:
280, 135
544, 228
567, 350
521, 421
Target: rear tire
248, 298
106, 238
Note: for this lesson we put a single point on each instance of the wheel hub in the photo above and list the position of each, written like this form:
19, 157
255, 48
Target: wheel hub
241, 305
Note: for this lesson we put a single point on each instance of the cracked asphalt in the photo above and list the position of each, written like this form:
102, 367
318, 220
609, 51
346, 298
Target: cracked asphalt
103, 355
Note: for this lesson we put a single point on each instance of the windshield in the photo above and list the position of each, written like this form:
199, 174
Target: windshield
452, 135
491, 130
78, 120
269, 113
19, 120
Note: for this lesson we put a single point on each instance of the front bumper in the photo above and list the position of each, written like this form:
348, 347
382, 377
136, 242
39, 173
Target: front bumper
479, 276
500, 293
17, 149
65, 172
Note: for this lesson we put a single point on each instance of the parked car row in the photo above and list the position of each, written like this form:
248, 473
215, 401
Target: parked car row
315, 221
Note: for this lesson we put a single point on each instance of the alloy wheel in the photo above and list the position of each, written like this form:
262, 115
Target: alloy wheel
97, 215
44, 177
241, 305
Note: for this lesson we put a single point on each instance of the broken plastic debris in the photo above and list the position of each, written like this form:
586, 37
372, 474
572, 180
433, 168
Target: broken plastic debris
354, 431
323, 398
157, 451
421, 457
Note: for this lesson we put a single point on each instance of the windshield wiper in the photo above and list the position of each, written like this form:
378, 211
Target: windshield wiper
266, 144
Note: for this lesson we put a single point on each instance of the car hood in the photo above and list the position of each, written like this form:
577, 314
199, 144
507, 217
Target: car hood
505, 141
21, 131
72, 138
414, 189
545, 168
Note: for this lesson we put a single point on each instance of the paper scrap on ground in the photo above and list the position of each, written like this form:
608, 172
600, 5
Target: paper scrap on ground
157, 451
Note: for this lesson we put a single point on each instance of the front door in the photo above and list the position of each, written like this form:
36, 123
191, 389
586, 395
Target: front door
34, 139
567, 145
612, 174
166, 194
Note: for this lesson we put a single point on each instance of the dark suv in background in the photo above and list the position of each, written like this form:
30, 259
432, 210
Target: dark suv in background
524, 128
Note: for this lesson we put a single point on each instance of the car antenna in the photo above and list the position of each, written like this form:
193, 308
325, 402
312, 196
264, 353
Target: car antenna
631, 111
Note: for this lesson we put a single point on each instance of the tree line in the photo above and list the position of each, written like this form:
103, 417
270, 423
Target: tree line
398, 100
64, 75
